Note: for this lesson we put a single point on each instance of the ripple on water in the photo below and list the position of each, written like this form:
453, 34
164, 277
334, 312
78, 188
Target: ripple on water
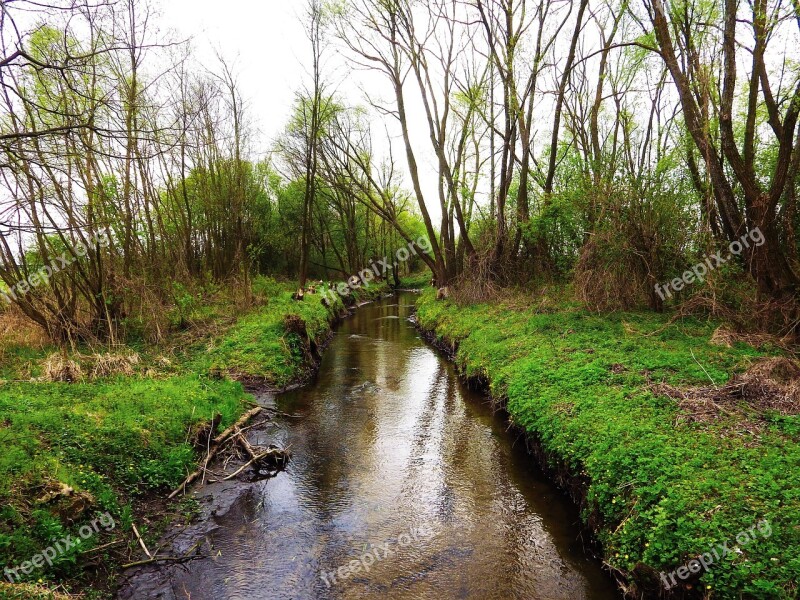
389, 442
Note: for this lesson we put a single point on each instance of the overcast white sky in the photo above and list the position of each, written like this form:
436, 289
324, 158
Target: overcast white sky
263, 39
266, 43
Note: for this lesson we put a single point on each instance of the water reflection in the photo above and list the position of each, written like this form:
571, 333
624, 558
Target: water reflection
390, 442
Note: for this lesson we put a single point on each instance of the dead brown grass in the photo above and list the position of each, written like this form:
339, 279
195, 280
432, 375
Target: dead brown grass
747, 315
477, 284
59, 367
18, 330
605, 282
769, 385
107, 365
726, 337
25, 591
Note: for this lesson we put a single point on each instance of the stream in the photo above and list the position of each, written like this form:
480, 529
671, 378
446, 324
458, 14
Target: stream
403, 484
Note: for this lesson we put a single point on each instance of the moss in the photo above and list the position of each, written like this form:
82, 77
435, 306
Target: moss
661, 491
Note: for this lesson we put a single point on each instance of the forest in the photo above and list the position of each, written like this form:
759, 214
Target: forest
586, 210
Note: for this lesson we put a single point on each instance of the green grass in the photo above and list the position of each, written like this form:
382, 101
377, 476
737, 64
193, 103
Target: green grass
417, 281
112, 440
661, 492
257, 345
120, 438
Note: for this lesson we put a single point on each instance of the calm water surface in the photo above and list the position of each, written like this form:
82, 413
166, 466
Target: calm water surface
393, 458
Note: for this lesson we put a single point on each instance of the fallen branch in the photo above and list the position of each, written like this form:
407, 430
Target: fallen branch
248, 448
217, 444
255, 459
103, 547
232, 429
141, 541
157, 559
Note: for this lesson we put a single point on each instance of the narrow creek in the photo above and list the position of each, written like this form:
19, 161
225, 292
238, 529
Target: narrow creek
398, 466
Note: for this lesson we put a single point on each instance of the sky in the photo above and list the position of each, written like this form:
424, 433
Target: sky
266, 44
264, 40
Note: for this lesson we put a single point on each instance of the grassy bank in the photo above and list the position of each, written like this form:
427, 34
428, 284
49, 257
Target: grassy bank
631, 409
110, 442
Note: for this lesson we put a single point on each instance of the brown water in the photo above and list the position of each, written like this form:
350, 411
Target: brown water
397, 466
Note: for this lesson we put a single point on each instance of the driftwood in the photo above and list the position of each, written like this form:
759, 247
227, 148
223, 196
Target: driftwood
247, 447
214, 448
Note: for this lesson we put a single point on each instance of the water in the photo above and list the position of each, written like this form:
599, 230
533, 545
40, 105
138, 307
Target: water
397, 466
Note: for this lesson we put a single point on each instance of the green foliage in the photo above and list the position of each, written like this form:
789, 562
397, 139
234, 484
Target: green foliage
258, 346
116, 439
120, 437
417, 281
560, 225
661, 491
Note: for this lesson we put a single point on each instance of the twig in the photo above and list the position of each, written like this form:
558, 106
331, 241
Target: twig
141, 541
103, 547
704, 370
218, 441
208, 449
247, 447
156, 559
253, 460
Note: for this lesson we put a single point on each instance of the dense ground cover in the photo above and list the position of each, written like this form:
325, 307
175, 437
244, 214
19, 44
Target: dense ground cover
114, 439
662, 486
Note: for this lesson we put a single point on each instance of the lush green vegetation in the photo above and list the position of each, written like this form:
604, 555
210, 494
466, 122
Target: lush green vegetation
112, 439
140, 219
661, 490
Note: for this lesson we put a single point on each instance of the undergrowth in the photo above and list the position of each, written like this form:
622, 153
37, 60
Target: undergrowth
73, 450
661, 490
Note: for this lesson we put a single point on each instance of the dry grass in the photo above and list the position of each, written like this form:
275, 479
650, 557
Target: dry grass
476, 285
59, 367
727, 337
107, 365
746, 312
24, 591
605, 282
770, 385
18, 330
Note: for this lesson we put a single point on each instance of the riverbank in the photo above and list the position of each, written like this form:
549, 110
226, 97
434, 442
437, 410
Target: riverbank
113, 433
386, 441
639, 419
